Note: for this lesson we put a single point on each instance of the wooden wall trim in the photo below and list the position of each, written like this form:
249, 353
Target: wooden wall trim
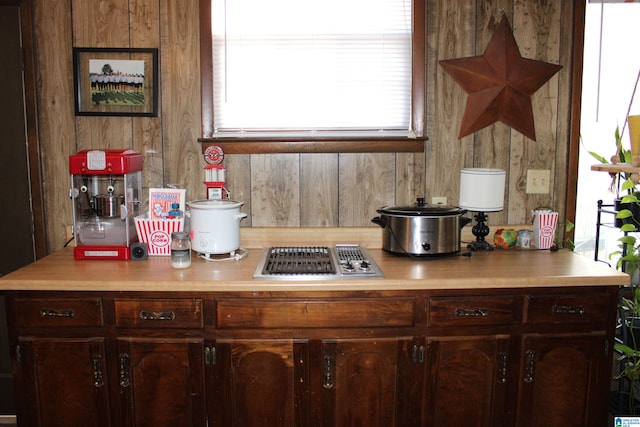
31, 118
238, 146
575, 111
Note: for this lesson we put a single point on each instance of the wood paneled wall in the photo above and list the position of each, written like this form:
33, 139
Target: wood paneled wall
301, 189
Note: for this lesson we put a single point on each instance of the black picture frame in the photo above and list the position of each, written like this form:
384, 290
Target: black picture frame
115, 81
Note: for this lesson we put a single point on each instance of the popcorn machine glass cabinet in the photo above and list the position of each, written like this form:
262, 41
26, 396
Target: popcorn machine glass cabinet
104, 208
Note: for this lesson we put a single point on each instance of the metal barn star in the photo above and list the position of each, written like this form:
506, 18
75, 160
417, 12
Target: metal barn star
499, 84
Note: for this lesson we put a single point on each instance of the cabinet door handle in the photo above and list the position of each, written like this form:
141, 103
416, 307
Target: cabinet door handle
417, 355
327, 377
209, 355
471, 312
568, 309
502, 367
125, 379
529, 361
157, 315
52, 312
96, 362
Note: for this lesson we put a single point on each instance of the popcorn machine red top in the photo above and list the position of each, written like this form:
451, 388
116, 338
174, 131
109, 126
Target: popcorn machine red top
106, 189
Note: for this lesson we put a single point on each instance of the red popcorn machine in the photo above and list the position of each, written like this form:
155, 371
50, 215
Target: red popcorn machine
106, 190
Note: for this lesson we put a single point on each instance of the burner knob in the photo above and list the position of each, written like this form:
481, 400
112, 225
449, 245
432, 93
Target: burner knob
364, 265
349, 266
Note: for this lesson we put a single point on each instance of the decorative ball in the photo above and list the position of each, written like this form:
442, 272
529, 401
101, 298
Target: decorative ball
505, 238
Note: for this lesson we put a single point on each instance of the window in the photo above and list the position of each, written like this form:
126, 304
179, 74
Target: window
313, 70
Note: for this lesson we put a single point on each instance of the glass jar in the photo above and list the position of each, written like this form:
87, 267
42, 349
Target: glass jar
180, 250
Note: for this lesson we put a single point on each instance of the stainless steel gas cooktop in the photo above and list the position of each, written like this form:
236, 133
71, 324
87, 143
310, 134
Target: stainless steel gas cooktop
342, 261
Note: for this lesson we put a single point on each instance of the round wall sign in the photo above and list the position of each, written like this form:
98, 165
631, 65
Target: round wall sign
213, 155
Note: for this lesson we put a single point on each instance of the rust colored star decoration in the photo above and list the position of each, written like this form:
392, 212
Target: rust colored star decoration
499, 84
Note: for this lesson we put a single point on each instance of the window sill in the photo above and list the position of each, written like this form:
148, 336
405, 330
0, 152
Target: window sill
315, 145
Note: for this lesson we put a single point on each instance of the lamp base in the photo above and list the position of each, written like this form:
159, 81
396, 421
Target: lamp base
480, 245
480, 230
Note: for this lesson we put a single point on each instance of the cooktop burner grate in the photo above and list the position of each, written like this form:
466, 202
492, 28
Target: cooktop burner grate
299, 260
316, 262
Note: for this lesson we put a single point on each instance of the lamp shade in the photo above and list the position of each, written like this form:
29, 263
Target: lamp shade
481, 189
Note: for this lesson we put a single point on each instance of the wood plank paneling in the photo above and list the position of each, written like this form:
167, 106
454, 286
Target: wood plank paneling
54, 71
367, 182
239, 182
450, 34
144, 27
99, 23
275, 190
492, 145
410, 179
180, 48
312, 189
537, 32
319, 189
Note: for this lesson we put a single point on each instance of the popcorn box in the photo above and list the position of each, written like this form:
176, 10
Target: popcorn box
156, 233
544, 228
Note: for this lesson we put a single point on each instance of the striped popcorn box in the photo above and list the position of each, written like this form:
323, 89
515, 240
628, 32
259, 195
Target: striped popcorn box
156, 233
544, 228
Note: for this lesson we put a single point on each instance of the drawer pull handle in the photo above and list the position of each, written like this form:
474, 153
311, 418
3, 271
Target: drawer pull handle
157, 315
474, 312
52, 312
567, 309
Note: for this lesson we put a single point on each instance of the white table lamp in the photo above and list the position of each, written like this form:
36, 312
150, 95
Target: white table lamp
481, 190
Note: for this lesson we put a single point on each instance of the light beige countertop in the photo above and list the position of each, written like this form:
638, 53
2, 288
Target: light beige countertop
483, 270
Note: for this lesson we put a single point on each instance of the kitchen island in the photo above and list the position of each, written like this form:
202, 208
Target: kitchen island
502, 338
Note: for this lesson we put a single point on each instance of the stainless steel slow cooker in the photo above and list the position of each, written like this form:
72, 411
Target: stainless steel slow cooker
421, 229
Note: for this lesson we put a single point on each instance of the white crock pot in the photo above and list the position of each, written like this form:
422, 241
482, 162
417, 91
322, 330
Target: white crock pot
215, 226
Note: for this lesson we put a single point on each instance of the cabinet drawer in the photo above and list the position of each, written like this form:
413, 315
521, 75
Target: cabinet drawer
59, 312
352, 313
165, 313
470, 310
587, 309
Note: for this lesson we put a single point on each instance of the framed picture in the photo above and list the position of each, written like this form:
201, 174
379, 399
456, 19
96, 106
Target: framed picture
115, 82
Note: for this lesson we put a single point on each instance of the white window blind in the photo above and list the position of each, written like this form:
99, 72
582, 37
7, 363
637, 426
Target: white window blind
320, 66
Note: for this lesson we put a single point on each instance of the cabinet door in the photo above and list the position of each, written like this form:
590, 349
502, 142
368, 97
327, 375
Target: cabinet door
371, 382
259, 383
161, 382
467, 381
562, 381
65, 381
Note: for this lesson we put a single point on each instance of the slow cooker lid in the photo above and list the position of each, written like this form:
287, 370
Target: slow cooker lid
214, 204
422, 209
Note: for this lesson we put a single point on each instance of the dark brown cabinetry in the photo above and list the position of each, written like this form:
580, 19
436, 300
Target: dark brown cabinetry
519, 357
62, 382
161, 382
258, 382
371, 382
468, 379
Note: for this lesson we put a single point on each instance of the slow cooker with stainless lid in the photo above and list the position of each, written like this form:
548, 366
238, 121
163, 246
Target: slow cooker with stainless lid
421, 229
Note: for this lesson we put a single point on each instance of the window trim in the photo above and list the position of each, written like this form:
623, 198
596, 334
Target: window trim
254, 145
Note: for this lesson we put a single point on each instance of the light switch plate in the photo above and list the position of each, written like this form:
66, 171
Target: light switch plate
538, 181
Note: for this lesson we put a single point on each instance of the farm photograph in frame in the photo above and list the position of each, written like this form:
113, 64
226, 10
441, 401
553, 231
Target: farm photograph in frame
116, 81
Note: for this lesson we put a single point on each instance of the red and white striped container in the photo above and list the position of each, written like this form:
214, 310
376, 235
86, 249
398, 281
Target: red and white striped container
156, 233
544, 228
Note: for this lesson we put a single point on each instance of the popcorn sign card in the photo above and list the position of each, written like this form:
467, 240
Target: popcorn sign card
161, 199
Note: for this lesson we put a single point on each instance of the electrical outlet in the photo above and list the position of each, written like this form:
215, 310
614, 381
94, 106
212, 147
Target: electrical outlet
538, 181
439, 200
